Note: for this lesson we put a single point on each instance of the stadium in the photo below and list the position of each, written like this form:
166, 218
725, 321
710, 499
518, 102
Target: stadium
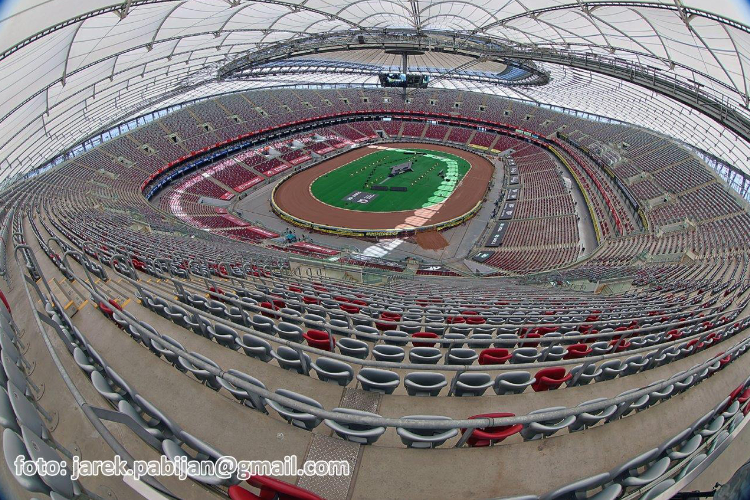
374, 249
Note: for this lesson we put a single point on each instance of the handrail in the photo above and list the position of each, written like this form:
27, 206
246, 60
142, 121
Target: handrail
87, 410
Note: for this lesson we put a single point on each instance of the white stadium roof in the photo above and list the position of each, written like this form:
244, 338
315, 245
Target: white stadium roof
70, 69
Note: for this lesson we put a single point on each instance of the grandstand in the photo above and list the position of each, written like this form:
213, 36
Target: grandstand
224, 240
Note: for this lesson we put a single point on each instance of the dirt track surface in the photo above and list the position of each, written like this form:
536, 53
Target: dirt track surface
294, 196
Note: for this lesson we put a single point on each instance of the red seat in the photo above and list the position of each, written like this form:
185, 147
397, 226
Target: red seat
310, 300
494, 356
674, 334
278, 303
696, 344
424, 335
319, 339
390, 316
486, 436
349, 308
736, 392
550, 378
388, 319
454, 320
744, 396
5, 301
576, 351
268, 305
114, 304
623, 345
531, 335
271, 488
541, 330
475, 320
105, 309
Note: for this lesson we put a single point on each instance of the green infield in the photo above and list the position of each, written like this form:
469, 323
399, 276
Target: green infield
392, 180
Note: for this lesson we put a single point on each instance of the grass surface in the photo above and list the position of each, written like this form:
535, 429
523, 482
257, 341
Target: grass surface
424, 186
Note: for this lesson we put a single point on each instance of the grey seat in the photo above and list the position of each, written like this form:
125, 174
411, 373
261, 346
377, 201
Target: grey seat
686, 448
514, 382
626, 407
216, 308
653, 470
712, 428
356, 432
256, 347
545, 428
684, 384
410, 327
84, 362
610, 369
292, 360
13, 447
314, 321
25, 412
160, 345
658, 489
461, 356
425, 438
590, 418
156, 417
333, 370
439, 330
203, 375
457, 337
245, 397
262, 324
731, 410
296, 316
657, 396
353, 347
128, 409
425, 355
297, 418
461, 329
600, 348
507, 340
627, 469
180, 316
38, 449
424, 383
472, 384
377, 380
479, 340
7, 414
175, 453
360, 319
583, 376
634, 364
235, 315
288, 331
102, 387
224, 335
553, 353
391, 353
525, 355
369, 330
580, 489
395, 337
159, 306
